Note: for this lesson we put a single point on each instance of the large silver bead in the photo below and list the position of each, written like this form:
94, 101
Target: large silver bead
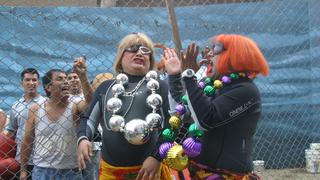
116, 123
153, 84
154, 101
152, 75
114, 104
137, 132
122, 78
153, 120
118, 89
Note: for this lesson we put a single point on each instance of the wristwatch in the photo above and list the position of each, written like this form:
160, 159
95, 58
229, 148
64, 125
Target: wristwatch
188, 73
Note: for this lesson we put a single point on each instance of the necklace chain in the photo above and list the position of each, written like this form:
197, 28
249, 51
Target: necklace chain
129, 93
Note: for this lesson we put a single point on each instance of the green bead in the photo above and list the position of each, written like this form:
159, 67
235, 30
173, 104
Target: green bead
234, 76
208, 81
199, 133
193, 130
209, 90
168, 135
184, 99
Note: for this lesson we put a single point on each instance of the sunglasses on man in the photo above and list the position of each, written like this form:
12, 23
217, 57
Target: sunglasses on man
138, 47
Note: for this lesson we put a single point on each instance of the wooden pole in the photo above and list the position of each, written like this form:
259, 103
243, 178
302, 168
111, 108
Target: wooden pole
174, 25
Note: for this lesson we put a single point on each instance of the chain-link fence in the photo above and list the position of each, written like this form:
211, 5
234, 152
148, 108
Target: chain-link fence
288, 33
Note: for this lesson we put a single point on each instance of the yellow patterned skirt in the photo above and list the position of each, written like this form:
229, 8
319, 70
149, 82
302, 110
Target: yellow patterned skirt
200, 172
109, 172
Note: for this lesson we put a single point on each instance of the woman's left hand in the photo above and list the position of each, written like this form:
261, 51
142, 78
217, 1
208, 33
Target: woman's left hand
149, 169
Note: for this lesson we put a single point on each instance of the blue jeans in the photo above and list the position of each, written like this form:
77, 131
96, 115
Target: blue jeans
92, 169
40, 173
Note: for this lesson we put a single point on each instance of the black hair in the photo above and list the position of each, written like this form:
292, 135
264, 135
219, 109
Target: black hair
47, 79
29, 70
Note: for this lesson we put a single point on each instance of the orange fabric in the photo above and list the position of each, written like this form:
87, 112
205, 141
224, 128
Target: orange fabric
202, 172
110, 172
100, 78
185, 172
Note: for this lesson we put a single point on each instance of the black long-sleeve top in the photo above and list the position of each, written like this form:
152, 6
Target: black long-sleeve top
116, 150
229, 119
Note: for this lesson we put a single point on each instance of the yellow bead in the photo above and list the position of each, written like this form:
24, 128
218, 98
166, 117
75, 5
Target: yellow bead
217, 84
175, 151
179, 163
241, 74
175, 122
175, 158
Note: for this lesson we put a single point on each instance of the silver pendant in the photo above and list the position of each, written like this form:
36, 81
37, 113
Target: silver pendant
114, 104
154, 101
151, 75
137, 132
118, 89
153, 120
153, 85
116, 123
122, 78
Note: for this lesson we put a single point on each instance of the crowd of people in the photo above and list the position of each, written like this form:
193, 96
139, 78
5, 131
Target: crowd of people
125, 124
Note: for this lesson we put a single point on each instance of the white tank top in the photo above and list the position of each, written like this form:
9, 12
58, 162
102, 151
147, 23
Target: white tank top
55, 143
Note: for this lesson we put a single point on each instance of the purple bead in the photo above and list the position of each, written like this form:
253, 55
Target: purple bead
226, 80
201, 84
164, 148
214, 177
180, 109
191, 147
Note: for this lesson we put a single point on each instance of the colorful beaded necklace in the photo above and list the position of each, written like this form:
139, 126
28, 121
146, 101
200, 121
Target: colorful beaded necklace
176, 156
209, 86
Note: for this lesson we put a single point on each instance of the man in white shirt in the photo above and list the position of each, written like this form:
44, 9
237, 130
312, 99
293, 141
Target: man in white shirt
19, 111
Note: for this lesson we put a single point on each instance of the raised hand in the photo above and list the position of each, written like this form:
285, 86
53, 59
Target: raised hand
80, 66
172, 62
189, 59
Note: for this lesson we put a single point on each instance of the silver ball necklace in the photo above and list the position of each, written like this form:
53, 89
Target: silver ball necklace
136, 131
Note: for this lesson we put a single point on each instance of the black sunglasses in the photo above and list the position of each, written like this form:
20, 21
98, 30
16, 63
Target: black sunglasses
138, 47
